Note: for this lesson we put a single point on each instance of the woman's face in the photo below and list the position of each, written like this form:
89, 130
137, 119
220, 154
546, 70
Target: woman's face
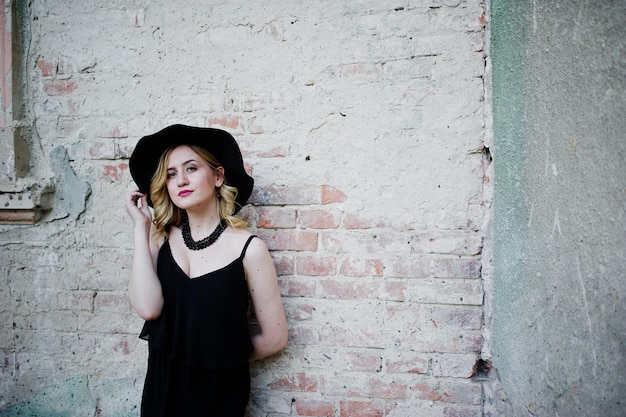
191, 181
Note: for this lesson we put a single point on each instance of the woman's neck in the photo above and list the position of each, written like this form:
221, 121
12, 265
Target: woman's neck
203, 223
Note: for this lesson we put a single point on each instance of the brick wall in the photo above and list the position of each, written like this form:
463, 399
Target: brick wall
364, 125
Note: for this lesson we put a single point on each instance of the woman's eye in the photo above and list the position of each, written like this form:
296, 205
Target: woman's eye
171, 174
191, 168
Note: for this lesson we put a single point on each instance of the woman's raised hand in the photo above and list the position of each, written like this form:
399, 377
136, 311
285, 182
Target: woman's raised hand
137, 206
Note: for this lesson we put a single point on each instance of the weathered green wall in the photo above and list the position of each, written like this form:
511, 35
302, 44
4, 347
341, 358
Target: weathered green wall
559, 325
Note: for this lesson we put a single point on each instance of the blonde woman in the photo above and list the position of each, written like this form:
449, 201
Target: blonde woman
195, 268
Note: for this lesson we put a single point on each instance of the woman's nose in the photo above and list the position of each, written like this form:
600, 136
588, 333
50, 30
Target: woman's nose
182, 179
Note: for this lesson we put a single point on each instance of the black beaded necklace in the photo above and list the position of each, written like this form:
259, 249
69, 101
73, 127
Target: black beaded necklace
204, 243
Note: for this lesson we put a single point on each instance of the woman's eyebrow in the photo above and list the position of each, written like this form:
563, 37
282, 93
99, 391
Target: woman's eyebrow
184, 163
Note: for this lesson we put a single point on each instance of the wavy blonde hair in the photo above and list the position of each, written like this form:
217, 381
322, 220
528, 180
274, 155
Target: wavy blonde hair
166, 214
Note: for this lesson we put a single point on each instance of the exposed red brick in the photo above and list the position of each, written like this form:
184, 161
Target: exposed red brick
356, 221
481, 19
351, 336
361, 267
276, 152
360, 289
60, 87
47, 68
231, 123
318, 266
114, 172
361, 409
458, 268
301, 312
455, 366
294, 287
338, 289
276, 218
289, 239
332, 195
465, 391
364, 386
407, 267
410, 364
284, 264
318, 219
295, 382
366, 361
314, 408
404, 313
394, 290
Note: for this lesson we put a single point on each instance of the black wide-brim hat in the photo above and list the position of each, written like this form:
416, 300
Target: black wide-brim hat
145, 158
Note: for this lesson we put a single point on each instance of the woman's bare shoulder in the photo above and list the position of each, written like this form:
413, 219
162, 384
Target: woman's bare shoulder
240, 233
240, 237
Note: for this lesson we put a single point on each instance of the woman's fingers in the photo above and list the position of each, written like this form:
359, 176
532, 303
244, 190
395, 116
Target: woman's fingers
137, 205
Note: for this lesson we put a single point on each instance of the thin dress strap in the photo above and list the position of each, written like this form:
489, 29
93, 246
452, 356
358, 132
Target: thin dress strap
245, 247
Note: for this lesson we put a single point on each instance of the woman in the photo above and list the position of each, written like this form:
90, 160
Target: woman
195, 268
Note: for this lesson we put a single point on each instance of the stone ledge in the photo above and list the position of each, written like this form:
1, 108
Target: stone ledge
19, 216
23, 205
17, 208
24, 191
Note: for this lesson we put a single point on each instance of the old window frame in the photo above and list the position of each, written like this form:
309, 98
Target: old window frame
22, 193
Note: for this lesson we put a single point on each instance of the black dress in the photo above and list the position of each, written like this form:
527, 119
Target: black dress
200, 345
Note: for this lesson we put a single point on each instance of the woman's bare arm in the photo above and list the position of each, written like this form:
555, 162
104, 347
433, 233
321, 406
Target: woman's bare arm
268, 306
144, 288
